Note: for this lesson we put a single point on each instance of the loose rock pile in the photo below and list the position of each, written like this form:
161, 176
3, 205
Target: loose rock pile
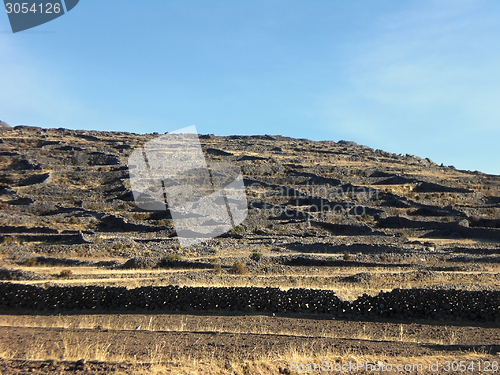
407, 304
7, 274
450, 304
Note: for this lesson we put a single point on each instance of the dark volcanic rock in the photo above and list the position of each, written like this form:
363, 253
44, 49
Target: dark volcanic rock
141, 263
7, 274
402, 304
217, 152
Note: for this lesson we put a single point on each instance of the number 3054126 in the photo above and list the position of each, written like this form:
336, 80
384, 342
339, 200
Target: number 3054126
34, 8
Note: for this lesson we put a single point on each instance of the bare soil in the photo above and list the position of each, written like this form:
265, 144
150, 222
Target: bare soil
172, 342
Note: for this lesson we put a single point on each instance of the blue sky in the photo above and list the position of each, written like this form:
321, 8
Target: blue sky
418, 77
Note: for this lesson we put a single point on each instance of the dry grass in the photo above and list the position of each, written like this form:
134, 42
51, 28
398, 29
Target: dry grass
69, 347
258, 325
161, 358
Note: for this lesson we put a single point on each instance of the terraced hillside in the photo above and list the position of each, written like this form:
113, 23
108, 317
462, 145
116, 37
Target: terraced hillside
325, 215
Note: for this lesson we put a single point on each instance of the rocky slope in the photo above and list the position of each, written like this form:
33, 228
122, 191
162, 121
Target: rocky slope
66, 195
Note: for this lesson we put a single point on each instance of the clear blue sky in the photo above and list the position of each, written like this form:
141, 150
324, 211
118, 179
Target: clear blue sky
419, 77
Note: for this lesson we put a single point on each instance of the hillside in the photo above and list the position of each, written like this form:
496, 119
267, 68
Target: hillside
67, 193
334, 229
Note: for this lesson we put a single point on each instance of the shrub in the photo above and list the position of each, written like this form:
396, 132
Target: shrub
141, 215
171, 260
348, 256
218, 268
31, 262
122, 245
238, 229
66, 274
42, 209
256, 256
171, 257
239, 268
7, 240
74, 220
165, 223
492, 211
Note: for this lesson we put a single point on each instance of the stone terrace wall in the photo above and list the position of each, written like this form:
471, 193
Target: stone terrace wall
406, 304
